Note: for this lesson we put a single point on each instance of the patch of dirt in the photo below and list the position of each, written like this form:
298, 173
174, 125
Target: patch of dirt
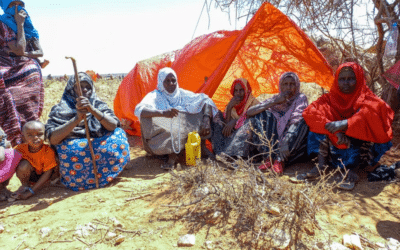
371, 210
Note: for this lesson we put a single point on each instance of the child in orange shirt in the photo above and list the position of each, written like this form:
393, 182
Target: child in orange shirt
38, 160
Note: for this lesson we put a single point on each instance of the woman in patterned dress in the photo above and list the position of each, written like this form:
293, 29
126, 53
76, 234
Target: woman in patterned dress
21, 85
66, 130
279, 130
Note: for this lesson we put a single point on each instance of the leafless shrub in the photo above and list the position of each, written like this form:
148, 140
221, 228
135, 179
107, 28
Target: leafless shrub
262, 205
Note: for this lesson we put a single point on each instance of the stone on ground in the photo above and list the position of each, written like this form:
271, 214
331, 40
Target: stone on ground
187, 240
352, 241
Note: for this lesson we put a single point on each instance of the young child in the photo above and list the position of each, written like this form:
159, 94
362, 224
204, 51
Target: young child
9, 159
38, 160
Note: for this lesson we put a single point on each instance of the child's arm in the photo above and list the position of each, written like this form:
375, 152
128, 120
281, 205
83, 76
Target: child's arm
2, 155
39, 184
37, 52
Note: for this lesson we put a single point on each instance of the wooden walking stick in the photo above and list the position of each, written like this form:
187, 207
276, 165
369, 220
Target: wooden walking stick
86, 123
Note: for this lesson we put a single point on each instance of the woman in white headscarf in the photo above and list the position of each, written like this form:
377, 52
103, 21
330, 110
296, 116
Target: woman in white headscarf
169, 113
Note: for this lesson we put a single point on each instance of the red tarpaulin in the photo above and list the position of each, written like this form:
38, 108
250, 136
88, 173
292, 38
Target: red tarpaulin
268, 46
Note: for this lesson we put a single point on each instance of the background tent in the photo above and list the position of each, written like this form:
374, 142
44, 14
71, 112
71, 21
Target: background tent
268, 46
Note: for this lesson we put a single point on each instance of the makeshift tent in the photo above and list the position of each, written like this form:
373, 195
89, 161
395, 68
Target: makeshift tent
268, 46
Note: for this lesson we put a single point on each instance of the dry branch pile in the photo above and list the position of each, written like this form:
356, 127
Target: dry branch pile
263, 209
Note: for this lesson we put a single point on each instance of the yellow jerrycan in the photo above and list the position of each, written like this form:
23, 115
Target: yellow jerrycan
193, 148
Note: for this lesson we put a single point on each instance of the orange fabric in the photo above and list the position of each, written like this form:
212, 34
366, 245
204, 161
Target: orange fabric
42, 161
369, 118
268, 46
92, 74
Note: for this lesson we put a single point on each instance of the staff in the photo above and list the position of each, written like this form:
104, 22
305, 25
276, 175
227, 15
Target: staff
86, 123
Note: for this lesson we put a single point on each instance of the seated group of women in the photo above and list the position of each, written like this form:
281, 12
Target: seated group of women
349, 127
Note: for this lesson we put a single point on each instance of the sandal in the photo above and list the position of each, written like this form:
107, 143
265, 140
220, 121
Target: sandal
301, 178
347, 185
278, 167
263, 168
3, 197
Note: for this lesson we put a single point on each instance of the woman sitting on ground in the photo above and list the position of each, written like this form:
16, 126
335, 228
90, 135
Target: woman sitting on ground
230, 134
280, 132
66, 130
169, 113
21, 85
350, 126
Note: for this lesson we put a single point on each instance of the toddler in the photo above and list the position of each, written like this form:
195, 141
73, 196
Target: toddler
38, 160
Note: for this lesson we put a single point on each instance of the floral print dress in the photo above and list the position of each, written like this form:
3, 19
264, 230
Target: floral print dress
76, 168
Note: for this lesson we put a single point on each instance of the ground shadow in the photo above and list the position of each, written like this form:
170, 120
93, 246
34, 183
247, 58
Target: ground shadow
389, 229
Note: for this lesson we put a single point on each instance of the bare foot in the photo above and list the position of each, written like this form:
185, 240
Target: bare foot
17, 194
172, 158
352, 176
44, 63
349, 181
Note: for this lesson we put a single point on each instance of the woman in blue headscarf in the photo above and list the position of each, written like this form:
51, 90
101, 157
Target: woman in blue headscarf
21, 84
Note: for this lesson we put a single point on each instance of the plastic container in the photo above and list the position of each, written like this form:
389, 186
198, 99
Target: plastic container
391, 43
193, 148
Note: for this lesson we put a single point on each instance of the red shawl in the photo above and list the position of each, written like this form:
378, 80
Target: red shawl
369, 118
247, 88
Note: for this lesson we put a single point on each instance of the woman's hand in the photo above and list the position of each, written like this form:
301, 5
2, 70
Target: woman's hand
343, 139
83, 107
233, 102
333, 127
170, 113
205, 126
20, 16
282, 97
83, 104
227, 130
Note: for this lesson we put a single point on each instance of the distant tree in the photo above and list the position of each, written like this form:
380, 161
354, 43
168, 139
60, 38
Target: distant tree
342, 29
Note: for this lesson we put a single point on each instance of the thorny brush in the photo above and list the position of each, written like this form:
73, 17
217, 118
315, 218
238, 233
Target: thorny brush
259, 206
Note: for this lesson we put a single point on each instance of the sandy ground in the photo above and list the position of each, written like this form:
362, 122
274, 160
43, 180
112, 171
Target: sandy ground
80, 220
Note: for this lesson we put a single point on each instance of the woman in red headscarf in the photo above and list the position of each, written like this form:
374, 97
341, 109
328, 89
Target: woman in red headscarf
350, 127
230, 132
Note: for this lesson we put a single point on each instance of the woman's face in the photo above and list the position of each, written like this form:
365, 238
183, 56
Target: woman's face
288, 86
13, 3
86, 89
170, 83
347, 81
239, 91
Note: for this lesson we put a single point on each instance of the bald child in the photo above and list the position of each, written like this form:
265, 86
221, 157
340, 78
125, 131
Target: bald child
38, 160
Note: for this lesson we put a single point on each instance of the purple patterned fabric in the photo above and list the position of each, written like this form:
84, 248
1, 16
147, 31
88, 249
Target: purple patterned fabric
290, 112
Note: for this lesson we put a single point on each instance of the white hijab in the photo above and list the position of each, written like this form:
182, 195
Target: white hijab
180, 99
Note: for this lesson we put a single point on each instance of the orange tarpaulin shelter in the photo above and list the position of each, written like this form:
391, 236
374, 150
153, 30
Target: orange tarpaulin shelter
268, 46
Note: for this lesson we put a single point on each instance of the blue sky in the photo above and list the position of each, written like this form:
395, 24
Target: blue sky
111, 36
